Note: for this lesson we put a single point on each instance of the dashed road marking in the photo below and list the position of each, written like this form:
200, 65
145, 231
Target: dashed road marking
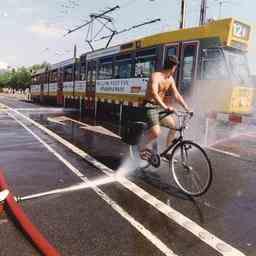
167, 210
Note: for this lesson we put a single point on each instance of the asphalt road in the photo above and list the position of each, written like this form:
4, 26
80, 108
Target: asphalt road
143, 214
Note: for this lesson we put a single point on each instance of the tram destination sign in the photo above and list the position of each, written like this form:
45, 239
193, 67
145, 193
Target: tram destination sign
122, 86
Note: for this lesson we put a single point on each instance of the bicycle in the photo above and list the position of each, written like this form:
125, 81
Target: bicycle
188, 162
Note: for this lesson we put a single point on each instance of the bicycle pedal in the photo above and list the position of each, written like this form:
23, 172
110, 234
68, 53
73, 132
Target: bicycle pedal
155, 160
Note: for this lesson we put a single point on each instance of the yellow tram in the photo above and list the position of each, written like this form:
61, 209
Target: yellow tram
213, 73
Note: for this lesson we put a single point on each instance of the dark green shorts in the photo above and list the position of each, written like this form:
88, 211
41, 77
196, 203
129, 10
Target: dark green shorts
152, 114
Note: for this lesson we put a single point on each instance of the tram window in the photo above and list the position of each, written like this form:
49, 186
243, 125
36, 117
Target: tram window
77, 71
35, 79
54, 76
124, 57
105, 71
94, 75
213, 65
91, 71
238, 65
147, 52
144, 67
83, 72
171, 51
123, 69
188, 67
68, 73
44, 78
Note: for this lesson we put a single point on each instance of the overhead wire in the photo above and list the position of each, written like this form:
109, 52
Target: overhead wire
91, 28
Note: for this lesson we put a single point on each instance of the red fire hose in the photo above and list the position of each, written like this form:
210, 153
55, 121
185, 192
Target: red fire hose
38, 239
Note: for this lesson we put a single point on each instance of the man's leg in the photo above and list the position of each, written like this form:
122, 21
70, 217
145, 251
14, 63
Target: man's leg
169, 122
151, 135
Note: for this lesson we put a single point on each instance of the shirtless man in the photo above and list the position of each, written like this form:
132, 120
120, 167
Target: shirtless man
155, 102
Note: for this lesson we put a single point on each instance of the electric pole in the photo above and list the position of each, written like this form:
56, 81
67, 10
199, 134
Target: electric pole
221, 3
203, 12
183, 14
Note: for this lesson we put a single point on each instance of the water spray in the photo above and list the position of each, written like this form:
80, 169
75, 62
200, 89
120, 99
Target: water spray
84, 185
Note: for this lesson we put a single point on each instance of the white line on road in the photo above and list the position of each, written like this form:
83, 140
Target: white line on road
46, 110
224, 152
210, 239
99, 129
145, 232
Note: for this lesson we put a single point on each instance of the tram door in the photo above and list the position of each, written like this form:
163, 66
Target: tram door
60, 95
187, 53
91, 89
171, 50
41, 89
188, 66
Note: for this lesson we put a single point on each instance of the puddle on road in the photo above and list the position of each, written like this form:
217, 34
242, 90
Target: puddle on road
97, 138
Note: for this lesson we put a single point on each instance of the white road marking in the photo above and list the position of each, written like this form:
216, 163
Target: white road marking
210, 239
211, 147
46, 109
145, 232
98, 129
224, 152
55, 120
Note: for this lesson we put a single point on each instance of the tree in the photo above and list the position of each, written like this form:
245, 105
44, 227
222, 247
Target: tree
36, 67
20, 78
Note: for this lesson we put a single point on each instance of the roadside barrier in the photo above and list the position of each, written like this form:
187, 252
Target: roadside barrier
233, 118
27, 226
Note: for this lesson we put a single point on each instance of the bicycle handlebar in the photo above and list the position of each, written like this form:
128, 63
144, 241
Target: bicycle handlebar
177, 113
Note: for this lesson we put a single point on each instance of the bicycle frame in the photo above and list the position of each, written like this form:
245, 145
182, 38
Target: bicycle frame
175, 142
182, 125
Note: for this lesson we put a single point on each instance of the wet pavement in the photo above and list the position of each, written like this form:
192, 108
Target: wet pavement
84, 223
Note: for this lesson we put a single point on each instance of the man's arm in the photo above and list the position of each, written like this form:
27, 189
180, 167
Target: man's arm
178, 97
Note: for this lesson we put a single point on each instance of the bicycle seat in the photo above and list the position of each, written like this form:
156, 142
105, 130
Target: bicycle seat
140, 125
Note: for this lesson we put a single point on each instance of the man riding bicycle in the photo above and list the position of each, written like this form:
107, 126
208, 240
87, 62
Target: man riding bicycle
160, 83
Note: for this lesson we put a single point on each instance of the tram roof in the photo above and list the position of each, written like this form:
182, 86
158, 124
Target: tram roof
230, 31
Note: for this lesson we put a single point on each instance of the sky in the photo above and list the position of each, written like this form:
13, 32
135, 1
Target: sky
32, 31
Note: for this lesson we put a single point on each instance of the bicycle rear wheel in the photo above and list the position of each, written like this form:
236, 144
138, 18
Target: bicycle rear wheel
191, 168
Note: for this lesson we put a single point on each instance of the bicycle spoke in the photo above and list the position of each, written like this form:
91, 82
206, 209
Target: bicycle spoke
193, 174
196, 182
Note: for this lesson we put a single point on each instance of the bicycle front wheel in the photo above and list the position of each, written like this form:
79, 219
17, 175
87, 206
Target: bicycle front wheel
191, 168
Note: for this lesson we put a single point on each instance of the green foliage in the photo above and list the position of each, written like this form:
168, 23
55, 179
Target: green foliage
19, 78
36, 67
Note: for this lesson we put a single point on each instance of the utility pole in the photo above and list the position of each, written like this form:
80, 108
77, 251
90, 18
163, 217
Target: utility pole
203, 12
183, 14
221, 3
